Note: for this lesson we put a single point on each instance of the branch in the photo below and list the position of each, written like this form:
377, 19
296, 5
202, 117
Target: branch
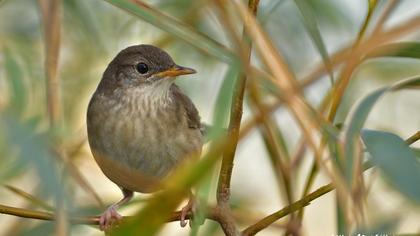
413, 138
223, 190
215, 213
352, 62
212, 214
268, 220
227, 221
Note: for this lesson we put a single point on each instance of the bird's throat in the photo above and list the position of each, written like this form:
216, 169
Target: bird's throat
152, 96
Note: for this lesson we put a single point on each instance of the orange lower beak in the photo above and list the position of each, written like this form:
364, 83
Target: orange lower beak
175, 71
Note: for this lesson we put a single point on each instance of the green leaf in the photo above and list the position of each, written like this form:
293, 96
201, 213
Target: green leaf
174, 27
211, 228
342, 226
202, 196
33, 151
311, 26
404, 49
80, 13
396, 160
15, 80
264, 14
359, 116
416, 152
356, 123
224, 97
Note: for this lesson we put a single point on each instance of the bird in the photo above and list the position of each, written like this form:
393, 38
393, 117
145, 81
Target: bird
141, 126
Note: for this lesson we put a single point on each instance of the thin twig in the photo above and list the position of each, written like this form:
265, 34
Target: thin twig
273, 140
67, 157
79, 177
223, 191
351, 64
29, 197
268, 220
382, 37
413, 138
212, 213
388, 10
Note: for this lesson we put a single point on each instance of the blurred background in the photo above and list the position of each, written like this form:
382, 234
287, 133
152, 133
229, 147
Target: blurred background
45, 156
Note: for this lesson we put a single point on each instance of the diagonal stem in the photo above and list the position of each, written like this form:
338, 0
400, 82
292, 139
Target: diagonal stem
212, 213
51, 13
223, 191
268, 220
234, 123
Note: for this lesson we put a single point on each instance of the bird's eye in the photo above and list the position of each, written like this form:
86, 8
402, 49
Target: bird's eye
142, 68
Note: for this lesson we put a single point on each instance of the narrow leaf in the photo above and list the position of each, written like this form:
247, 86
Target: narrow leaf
359, 116
29, 197
15, 80
396, 160
356, 123
311, 26
174, 26
405, 49
342, 226
33, 151
222, 106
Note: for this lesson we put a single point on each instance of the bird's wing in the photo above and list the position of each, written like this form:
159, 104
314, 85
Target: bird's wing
192, 113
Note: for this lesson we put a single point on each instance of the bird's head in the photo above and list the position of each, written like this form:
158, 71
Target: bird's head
143, 65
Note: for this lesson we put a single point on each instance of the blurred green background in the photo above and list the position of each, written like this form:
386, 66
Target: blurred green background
92, 32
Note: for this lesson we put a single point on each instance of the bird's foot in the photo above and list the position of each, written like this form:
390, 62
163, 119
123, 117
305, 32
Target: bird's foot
189, 208
109, 218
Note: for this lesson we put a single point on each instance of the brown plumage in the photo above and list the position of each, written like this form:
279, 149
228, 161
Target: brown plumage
140, 125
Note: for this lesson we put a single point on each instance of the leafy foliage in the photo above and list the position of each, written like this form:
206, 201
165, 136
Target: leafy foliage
295, 116
398, 163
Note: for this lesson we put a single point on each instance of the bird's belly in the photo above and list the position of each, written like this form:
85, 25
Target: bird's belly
136, 150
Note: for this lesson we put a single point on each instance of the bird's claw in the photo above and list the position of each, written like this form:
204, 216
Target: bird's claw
109, 218
189, 208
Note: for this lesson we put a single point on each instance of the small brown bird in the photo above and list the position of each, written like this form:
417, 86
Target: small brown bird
140, 125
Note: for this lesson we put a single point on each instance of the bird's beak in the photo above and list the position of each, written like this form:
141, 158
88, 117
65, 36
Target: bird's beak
175, 71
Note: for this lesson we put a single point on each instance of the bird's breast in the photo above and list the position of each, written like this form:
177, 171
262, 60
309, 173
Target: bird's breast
149, 136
